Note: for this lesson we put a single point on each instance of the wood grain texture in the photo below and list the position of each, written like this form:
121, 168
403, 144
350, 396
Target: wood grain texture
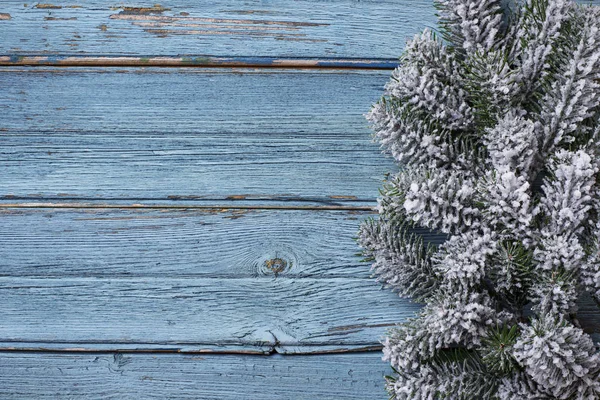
199, 314
179, 243
286, 28
87, 271
228, 243
178, 376
285, 281
166, 134
260, 315
163, 102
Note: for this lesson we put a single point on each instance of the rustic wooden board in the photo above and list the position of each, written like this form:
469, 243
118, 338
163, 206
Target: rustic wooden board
286, 28
179, 243
206, 377
192, 280
75, 166
165, 101
209, 243
180, 133
82, 280
198, 314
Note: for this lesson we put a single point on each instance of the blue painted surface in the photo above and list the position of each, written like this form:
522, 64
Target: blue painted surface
225, 28
194, 376
188, 232
176, 134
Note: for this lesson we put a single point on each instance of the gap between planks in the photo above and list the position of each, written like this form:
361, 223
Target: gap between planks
267, 351
185, 207
12, 60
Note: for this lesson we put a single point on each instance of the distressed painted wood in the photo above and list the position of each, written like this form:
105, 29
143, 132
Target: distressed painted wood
212, 243
199, 314
193, 280
165, 134
234, 280
161, 211
195, 62
178, 243
206, 377
159, 101
303, 33
146, 166
286, 28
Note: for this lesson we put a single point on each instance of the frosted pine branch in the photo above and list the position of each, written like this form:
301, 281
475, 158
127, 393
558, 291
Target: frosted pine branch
560, 358
495, 126
389, 244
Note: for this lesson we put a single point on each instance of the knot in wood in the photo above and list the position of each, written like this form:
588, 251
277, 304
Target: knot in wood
276, 265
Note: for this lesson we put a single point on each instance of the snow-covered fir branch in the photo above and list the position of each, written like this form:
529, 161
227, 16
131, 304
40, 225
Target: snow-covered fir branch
494, 121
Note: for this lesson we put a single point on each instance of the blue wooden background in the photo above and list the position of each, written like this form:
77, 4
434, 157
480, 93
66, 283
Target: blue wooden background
180, 187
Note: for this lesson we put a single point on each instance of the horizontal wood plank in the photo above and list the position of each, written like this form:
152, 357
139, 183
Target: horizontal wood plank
286, 28
202, 314
193, 280
178, 243
255, 315
163, 102
298, 32
184, 134
228, 167
217, 243
206, 377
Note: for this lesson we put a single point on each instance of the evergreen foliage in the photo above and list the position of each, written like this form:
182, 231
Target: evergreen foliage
494, 121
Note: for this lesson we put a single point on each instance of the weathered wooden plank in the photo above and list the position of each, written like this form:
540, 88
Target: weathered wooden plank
305, 28
206, 377
246, 315
158, 101
202, 314
178, 243
192, 280
189, 280
299, 30
164, 134
219, 243
147, 166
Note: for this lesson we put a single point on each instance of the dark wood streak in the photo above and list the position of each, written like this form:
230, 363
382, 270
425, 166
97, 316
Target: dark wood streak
244, 201
262, 349
196, 61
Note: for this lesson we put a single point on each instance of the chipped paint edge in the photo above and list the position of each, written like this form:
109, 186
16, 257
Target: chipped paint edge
194, 61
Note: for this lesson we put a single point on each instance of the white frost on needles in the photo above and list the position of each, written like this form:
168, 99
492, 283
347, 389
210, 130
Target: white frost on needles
560, 358
495, 123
